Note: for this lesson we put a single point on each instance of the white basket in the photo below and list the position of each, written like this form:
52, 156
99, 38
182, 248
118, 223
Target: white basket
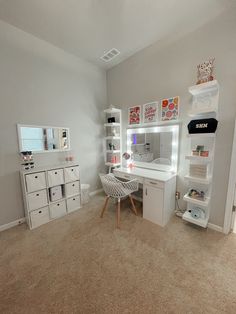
85, 193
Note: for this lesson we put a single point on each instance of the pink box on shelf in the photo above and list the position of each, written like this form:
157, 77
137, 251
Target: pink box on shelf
55, 193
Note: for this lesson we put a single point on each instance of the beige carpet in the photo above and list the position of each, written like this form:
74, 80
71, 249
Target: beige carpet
83, 264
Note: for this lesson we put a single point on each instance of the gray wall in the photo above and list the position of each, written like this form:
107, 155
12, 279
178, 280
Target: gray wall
42, 85
167, 69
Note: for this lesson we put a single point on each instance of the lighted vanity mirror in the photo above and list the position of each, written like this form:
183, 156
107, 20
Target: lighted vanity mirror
40, 139
154, 147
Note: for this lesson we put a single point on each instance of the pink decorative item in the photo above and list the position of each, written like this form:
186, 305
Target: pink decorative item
205, 71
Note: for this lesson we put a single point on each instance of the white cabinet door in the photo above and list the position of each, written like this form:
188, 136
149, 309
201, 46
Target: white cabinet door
153, 199
71, 174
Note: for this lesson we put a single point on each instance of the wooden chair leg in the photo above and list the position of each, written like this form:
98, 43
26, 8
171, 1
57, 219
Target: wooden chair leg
133, 206
118, 213
105, 206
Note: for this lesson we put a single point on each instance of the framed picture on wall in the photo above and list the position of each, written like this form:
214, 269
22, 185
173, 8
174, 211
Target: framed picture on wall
150, 112
170, 109
134, 115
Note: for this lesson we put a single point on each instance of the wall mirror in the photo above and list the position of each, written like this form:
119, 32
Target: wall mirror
41, 139
154, 147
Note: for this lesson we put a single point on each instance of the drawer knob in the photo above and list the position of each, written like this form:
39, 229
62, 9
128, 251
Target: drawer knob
55, 172
73, 185
58, 204
72, 169
73, 199
36, 177
37, 194
40, 212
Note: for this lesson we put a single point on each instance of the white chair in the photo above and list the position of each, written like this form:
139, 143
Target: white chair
117, 189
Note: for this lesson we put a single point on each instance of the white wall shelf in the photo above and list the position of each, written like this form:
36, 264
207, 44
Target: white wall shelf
195, 201
113, 139
200, 221
204, 105
198, 179
199, 159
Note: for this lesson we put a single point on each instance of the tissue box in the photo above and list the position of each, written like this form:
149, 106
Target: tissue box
55, 193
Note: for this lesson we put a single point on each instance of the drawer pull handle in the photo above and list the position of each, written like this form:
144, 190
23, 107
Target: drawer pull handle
73, 199
58, 204
73, 185
55, 172
36, 177
153, 182
40, 212
72, 169
37, 194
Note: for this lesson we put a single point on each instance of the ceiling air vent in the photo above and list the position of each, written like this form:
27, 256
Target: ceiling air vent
110, 55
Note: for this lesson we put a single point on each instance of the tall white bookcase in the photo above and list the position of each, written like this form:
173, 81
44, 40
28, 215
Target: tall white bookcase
205, 98
113, 138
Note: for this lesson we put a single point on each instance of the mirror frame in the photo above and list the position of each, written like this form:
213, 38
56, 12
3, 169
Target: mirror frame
43, 127
174, 129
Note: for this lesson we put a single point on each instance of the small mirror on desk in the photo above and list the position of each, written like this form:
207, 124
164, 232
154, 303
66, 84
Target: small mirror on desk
154, 147
41, 139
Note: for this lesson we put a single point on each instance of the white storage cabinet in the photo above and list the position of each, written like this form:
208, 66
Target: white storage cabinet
36, 185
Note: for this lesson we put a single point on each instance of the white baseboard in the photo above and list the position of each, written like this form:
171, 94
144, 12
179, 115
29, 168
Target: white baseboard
215, 227
95, 192
12, 224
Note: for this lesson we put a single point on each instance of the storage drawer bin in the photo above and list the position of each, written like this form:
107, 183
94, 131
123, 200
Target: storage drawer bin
37, 199
55, 177
55, 193
39, 217
35, 181
73, 203
58, 209
71, 174
72, 188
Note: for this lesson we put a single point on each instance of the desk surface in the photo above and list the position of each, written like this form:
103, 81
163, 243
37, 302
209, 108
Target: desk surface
147, 173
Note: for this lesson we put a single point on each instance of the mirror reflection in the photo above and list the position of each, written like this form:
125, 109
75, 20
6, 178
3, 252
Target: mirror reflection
153, 148
43, 139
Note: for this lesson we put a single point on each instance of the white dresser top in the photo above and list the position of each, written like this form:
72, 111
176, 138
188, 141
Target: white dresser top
50, 167
147, 173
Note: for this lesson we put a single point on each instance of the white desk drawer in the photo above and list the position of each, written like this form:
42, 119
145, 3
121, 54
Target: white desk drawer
39, 217
37, 199
127, 176
55, 177
72, 188
155, 183
73, 203
35, 181
71, 174
58, 209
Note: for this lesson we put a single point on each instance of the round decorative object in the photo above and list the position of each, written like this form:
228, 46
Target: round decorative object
171, 106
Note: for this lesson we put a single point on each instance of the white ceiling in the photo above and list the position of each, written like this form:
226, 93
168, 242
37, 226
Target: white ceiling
88, 28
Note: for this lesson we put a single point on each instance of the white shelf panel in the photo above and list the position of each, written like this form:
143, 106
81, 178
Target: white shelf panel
199, 159
198, 180
113, 151
197, 135
112, 138
110, 164
112, 124
200, 222
196, 201
208, 87
195, 112
112, 110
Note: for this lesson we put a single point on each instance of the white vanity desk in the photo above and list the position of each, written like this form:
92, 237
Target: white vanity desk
158, 192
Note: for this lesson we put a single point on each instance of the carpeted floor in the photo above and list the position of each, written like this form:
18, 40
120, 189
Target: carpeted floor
83, 264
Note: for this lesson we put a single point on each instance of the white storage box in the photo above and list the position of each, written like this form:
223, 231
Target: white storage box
72, 188
73, 203
35, 181
71, 174
39, 217
58, 209
85, 193
55, 177
55, 193
37, 199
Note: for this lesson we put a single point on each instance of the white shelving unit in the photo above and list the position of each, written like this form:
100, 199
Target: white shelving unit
205, 98
113, 138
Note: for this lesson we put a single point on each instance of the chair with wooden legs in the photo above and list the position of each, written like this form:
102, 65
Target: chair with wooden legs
118, 189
